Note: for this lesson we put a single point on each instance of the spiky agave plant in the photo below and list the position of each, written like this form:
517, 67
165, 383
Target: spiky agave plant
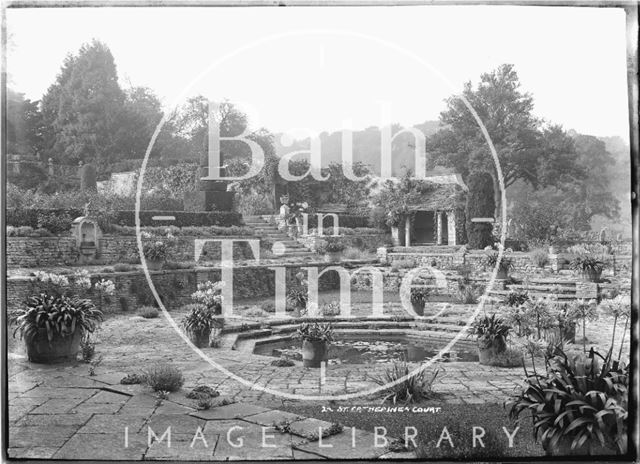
578, 403
57, 316
412, 389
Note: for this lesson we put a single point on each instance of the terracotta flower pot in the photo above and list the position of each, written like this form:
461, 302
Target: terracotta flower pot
61, 349
314, 352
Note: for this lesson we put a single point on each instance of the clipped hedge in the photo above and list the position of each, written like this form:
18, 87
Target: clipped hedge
40, 218
344, 220
182, 218
35, 218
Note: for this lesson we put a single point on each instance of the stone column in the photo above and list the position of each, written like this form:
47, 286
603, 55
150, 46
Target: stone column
439, 227
395, 235
407, 231
451, 228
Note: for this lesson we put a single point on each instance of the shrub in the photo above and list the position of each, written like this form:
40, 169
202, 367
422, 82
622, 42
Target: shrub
402, 264
148, 312
54, 222
468, 294
256, 312
508, 358
182, 218
200, 320
330, 309
539, 257
164, 377
332, 245
268, 307
169, 265
516, 298
202, 391
356, 253
132, 379
297, 297
123, 267
412, 389
88, 348
282, 362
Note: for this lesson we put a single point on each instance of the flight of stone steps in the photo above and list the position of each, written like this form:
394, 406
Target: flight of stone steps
266, 228
562, 290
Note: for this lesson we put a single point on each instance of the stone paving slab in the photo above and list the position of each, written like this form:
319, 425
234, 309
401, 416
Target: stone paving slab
254, 442
103, 447
231, 411
113, 424
309, 427
53, 419
38, 452
273, 417
341, 446
184, 448
45, 436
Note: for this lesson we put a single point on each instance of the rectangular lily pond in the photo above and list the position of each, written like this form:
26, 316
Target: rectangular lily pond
361, 349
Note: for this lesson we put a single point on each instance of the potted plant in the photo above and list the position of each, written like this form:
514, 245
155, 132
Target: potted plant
155, 254
578, 406
491, 333
590, 267
53, 325
506, 264
199, 323
316, 338
419, 296
332, 250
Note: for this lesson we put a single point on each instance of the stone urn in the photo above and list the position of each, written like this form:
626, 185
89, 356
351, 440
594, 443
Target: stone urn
314, 352
332, 256
154, 264
200, 339
61, 349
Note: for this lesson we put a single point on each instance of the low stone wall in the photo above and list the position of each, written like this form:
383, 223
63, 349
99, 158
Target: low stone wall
615, 264
364, 242
55, 251
174, 287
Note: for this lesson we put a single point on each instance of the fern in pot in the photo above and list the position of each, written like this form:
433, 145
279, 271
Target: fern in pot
491, 333
53, 325
316, 338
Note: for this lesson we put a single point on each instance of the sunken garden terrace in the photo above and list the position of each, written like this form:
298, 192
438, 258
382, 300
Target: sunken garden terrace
350, 300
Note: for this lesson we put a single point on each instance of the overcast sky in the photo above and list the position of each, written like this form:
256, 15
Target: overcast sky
307, 67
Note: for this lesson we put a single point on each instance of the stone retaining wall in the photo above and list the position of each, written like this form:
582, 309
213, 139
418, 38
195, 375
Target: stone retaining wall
53, 251
361, 241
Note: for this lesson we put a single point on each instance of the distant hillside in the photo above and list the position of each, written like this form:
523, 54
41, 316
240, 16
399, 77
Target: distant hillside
366, 146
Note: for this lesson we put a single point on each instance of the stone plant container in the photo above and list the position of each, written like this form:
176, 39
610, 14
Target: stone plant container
314, 352
61, 349
154, 264
200, 339
332, 256
488, 352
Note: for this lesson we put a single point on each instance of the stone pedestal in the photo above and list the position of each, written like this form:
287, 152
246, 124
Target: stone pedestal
211, 195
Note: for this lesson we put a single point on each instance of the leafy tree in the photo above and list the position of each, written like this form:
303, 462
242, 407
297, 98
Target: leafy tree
24, 125
480, 204
524, 151
141, 114
84, 106
88, 178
